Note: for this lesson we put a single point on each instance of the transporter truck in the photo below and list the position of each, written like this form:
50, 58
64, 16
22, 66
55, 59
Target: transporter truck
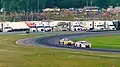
14, 26
70, 26
40, 26
19, 26
75, 26
6, 26
95, 25
32, 26
47, 27
98, 25
62, 26
109, 25
116, 24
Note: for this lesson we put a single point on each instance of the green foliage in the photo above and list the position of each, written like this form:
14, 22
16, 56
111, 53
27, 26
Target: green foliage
107, 41
114, 2
14, 55
37, 5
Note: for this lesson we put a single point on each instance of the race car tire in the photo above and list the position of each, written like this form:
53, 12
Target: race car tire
69, 44
62, 43
80, 45
87, 46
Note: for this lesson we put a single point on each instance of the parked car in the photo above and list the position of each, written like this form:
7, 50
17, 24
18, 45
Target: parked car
83, 44
66, 41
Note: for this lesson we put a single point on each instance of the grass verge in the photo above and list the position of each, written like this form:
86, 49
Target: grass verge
13, 55
106, 41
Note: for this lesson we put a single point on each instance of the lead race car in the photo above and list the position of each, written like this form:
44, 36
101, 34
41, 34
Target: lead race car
83, 44
66, 41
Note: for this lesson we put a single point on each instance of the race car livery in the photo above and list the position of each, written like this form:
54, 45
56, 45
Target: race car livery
66, 41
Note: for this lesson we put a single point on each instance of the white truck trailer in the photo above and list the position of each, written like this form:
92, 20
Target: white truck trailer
19, 26
94, 25
14, 26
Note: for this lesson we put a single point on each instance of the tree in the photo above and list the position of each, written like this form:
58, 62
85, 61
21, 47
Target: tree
72, 3
37, 5
114, 2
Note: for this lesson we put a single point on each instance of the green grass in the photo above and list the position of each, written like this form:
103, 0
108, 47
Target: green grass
107, 41
13, 55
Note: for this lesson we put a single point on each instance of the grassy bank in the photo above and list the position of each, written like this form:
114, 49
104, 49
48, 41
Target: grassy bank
13, 55
107, 41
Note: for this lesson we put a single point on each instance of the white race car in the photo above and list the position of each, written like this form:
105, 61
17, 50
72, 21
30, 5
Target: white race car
83, 44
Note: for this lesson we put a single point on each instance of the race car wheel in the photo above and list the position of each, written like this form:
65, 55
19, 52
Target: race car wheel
69, 44
80, 45
87, 46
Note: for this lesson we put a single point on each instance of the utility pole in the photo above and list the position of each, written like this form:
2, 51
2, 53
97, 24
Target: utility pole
10, 10
27, 9
28, 5
117, 13
4, 10
87, 2
32, 14
117, 4
38, 4
91, 3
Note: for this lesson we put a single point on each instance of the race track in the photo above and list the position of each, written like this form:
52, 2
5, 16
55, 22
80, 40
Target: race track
52, 41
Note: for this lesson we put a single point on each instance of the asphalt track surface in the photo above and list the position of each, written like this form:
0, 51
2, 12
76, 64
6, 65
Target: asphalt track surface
53, 41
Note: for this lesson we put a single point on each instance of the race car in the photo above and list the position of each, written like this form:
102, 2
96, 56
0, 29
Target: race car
83, 44
66, 41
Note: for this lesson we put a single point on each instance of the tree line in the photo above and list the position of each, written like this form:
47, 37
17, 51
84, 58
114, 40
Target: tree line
38, 5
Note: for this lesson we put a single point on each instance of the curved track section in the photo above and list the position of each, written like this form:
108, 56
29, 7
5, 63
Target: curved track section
52, 41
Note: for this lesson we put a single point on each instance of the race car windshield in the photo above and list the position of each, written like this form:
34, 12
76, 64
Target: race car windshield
67, 39
84, 42
47, 26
